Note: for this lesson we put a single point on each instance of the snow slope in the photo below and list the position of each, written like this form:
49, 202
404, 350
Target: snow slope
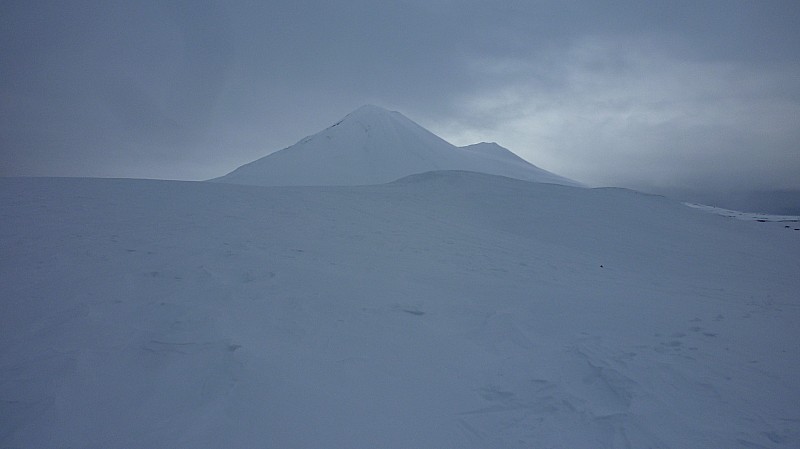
750, 216
445, 310
374, 146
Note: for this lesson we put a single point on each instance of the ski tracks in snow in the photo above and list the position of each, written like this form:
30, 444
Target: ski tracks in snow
613, 395
528, 404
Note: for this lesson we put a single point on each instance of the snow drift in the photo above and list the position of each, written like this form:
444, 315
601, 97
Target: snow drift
445, 310
373, 146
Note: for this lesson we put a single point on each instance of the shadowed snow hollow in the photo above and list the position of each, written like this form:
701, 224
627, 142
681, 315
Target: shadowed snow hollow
373, 146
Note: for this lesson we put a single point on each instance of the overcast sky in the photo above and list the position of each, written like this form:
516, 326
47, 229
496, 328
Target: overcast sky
698, 94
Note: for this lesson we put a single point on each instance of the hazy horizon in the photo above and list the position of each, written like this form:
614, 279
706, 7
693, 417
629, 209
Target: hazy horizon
699, 97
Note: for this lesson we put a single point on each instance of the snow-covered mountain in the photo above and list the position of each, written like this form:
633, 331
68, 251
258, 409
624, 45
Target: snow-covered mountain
444, 310
373, 146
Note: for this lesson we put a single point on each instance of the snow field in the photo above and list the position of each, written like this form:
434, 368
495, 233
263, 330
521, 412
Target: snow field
447, 309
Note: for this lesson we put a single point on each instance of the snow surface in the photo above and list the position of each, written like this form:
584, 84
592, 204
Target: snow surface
748, 216
374, 146
445, 310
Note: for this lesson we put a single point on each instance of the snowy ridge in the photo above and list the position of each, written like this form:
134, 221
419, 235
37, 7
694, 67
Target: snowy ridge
747, 216
494, 150
373, 146
444, 310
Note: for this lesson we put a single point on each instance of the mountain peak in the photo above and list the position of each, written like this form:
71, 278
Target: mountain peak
495, 150
370, 113
373, 145
371, 109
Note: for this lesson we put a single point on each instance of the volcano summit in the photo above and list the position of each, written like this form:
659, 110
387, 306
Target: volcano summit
372, 145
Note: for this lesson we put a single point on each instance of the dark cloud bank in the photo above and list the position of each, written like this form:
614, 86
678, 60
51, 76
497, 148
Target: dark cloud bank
699, 97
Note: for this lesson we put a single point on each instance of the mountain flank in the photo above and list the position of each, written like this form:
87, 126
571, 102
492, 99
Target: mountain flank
372, 145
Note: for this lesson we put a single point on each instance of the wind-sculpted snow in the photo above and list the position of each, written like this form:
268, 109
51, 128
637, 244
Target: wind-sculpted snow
445, 310
375, 146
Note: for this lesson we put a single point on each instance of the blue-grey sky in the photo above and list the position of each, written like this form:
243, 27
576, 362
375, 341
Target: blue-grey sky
685, 94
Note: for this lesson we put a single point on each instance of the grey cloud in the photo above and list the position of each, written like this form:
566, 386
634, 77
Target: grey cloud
633, 115
621, 92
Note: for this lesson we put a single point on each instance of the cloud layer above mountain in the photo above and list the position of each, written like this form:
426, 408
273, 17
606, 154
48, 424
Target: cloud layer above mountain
701, 94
